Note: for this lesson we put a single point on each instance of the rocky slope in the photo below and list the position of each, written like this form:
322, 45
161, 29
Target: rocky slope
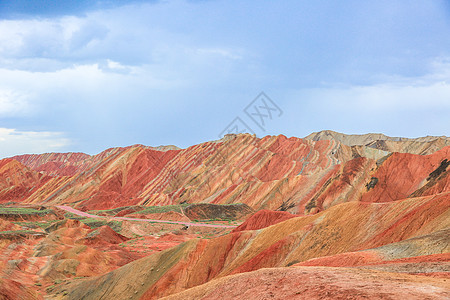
314, 283
17, 182
347, 227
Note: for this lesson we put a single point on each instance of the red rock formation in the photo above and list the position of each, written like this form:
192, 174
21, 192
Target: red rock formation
264, 218
402, 174
59, 164
103, 235
17, 181
11, 290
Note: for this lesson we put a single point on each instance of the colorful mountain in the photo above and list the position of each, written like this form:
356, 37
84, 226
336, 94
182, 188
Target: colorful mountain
330, 216
300, 176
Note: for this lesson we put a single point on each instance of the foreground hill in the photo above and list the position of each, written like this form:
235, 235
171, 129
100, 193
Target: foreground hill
344, 228
314, 283
42, 248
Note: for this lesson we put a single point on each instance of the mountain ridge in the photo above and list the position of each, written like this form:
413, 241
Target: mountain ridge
275, 172
363, 139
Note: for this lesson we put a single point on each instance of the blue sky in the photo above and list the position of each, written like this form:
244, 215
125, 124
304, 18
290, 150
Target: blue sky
89, 75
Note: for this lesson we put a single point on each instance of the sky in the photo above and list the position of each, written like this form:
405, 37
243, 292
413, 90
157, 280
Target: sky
84, 76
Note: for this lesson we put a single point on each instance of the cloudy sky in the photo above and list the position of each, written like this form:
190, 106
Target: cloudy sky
89, 75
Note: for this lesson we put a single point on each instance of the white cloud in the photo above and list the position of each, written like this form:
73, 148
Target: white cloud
119, 40
231, 54
13, 103
15, 142
389, 97
55, 38
400, 106
430, 91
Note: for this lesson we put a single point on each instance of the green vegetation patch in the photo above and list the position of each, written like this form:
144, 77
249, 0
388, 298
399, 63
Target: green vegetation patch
20, 231
73, 216
36, 224
161, 209
112, 211
96, 223
4, 210
8, 234
207, 212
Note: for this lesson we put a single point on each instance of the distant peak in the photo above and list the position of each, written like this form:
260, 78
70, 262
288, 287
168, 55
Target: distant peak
364, 139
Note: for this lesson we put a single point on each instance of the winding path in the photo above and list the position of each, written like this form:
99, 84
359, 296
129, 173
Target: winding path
84, 214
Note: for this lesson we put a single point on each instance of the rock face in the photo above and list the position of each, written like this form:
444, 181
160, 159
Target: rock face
406, 175
69, 164
10, 290
62, 164
17, 182
264, 218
